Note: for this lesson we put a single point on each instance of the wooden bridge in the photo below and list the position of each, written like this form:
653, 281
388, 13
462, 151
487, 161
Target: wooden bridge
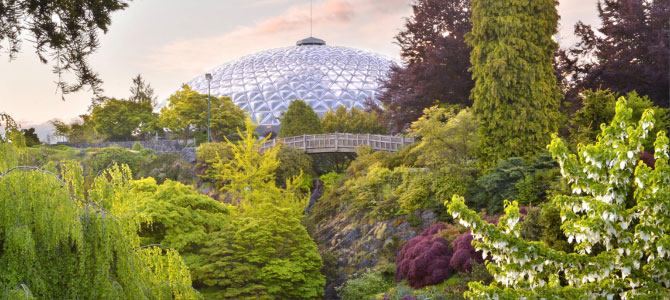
341, 142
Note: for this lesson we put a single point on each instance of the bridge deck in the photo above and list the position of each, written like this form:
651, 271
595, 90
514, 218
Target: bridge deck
341, 142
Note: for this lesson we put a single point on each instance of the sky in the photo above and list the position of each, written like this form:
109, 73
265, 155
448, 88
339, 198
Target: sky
170, 42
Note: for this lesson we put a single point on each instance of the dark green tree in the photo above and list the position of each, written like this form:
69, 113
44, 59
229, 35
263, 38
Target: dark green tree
31, 137
516, 96
62, 31
299, 119
123, 120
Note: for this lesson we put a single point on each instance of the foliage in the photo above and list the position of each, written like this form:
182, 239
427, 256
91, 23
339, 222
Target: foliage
263, 254
351, 120
57, 244
64, 31
299, 119
527, 193
617, 216
123, 120
552, 234
598, 108
425, 259
249, 176
79, 131
532, 228
179, 217
433, 48
516, 95
31, 137
109, 156
503, 182
207, 154
367, 286
185, 116
292, 163
625, 53
167, 166
449, 140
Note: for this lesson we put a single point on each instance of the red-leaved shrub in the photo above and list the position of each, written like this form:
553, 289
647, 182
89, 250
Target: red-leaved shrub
424, 260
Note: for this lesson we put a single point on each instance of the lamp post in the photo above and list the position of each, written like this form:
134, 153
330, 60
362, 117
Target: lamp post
208, 76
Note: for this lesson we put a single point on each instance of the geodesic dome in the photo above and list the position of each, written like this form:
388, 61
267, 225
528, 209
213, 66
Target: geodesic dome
265, 83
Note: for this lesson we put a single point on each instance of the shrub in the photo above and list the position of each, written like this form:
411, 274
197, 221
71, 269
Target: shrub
367, 286
500, 183
107, 157
531, 226
292, 162
424, 260
167, 166
206, 156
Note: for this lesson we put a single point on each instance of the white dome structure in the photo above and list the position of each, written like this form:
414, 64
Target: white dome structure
325, 77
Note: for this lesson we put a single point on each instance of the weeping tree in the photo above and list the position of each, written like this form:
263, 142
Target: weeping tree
617, 219
61, 241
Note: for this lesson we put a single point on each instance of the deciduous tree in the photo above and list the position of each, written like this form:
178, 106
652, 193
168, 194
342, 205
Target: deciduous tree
617, 220
628, 52
351, 120
186, 115
124, 120
436, 62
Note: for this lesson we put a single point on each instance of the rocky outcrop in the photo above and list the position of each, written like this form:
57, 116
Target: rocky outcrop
358, 242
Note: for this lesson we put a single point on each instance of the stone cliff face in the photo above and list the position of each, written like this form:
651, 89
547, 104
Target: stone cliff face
358, 242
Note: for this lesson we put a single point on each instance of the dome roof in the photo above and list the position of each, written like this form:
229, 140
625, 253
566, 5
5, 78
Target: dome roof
325, 77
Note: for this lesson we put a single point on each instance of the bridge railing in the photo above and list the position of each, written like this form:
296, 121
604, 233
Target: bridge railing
341, 142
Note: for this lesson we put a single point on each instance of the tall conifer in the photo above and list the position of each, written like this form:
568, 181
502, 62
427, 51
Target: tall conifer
516, 96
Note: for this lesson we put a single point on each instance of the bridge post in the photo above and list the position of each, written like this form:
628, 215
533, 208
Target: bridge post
368, 140
336, 142
304, 142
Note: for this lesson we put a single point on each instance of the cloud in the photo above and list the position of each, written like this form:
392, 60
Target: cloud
367, 24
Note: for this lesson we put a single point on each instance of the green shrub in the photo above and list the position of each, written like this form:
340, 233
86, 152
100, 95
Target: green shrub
531, 226
552, 234
137, 146
206, 157
367, 286
292, 162
168, 166
107, 157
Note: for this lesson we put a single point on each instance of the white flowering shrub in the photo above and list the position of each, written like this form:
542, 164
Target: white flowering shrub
617, 218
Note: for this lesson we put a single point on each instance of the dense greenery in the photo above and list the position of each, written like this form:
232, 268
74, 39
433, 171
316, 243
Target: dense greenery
598, 108
63, 240
351, 120
185, 116
299, 119
616, 220
516, 95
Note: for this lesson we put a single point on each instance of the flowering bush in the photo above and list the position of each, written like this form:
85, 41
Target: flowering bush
618, 217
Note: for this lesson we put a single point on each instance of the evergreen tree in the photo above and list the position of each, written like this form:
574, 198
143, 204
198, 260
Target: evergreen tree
516, 96
617, 220
299, 119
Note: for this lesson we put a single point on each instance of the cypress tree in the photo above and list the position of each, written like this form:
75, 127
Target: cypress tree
516, 96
